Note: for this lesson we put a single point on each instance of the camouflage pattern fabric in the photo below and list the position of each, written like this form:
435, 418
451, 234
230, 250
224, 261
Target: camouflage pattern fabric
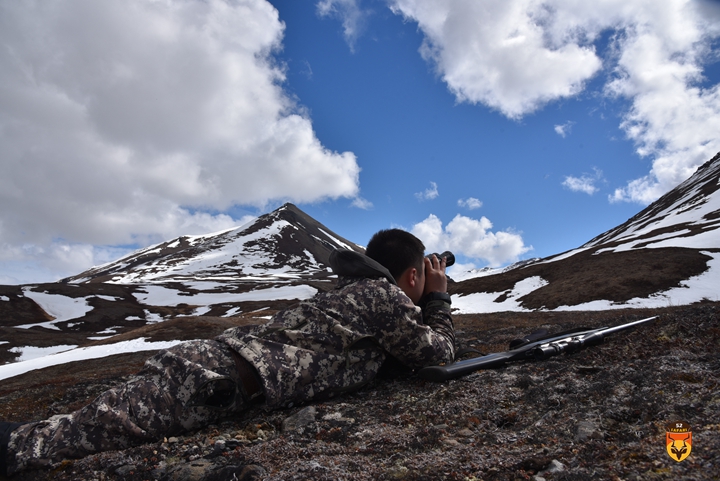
182, 388
337, 341
333, 343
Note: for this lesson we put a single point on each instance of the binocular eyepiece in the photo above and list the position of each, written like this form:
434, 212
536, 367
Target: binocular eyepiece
449, 257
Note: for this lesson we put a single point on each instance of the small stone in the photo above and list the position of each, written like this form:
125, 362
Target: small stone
555, 467
300, 420
535, 463
158, 473
125, 470
218, 447
585, 430
398, 472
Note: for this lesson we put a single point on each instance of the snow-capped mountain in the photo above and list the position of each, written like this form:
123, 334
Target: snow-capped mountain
282, 245
668, 254
687, 216
270, 263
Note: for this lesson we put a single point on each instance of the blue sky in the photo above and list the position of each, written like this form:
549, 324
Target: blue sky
385, 103
501, 130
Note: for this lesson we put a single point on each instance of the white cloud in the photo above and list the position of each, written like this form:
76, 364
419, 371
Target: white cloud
361, 203
517, 55
673, 119
500, 52
471, 238
471, 203
564, 129
428, 194
354, 19
124, 121
580, 184
584, 183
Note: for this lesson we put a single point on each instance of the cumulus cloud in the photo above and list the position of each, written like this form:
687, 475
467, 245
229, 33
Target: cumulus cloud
125, 121
354, 18
564, 129
500, 52
428, 194
673, 118
470, 203
361, 203
580, 184
585, 183
517, 55
471, 238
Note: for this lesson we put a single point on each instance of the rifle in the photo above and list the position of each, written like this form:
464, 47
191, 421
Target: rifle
525, 349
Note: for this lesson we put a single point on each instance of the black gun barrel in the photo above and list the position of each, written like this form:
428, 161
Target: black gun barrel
538, 350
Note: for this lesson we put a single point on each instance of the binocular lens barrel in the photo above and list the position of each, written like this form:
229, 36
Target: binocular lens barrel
449, 257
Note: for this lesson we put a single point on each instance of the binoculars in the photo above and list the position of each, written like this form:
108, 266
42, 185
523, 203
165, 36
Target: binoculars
449, 257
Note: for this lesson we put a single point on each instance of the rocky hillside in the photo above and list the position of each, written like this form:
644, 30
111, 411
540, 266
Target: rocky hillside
598, 414
667, 254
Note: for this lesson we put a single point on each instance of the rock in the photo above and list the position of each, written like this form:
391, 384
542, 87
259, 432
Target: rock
125, 470
554, 467
299, 421
536, 463
190, 471
585, 430
205, 470
218, 448
397, 472
239, 473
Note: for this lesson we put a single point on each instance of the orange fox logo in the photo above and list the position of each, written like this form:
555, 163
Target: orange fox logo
678, 440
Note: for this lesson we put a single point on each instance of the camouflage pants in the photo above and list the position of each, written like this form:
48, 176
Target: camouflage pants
183, 388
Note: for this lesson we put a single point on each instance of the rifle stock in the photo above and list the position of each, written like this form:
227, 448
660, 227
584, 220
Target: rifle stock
538, 350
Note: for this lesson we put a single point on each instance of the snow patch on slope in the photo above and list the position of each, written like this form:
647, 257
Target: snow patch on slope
82, 354
164, 296
482, 302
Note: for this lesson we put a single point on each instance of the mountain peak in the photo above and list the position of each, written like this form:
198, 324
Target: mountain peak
283, 244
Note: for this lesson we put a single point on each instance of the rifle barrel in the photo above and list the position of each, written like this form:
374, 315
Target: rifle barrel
539, 350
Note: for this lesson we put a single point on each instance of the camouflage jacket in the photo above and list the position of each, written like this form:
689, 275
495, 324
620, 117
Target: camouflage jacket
337, 341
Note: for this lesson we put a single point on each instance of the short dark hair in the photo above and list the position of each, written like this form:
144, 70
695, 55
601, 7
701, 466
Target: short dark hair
396, 250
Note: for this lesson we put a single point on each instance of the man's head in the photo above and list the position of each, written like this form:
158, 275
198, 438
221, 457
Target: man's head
402, 254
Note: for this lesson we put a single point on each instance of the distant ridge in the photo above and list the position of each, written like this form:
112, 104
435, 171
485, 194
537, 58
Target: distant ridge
667, 254
688, 215
286, 243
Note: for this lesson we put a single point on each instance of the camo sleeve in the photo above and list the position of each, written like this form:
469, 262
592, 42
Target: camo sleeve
416, 338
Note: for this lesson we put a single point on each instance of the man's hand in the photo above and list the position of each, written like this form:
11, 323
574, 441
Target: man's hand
435, 278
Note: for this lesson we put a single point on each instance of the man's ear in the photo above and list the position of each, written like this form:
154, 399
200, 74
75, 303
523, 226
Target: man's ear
411, 276
407, 279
